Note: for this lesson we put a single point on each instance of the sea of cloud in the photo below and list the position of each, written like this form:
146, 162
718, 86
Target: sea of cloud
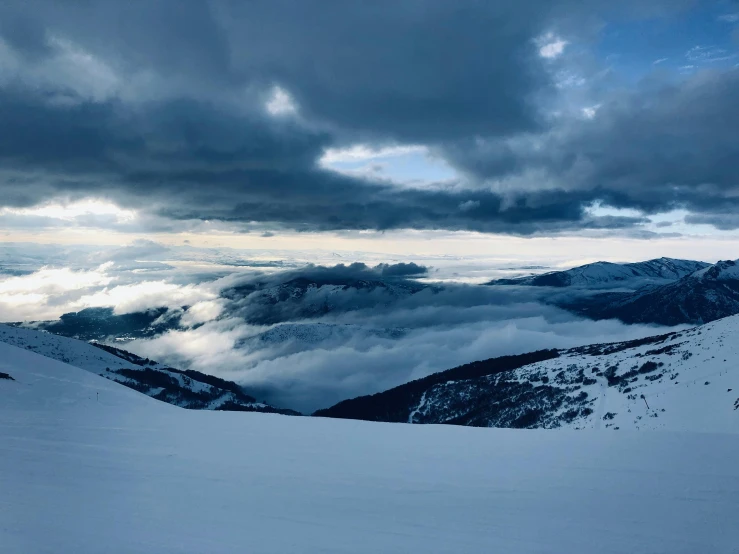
359, 329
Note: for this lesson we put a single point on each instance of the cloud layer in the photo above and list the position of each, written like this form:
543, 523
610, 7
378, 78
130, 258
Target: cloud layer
309, 348
203, 110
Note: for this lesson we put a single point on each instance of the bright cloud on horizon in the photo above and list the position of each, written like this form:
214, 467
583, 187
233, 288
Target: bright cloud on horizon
47, 293
74, 210
363, 152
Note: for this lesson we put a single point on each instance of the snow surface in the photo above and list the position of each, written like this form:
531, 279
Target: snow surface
72, 351
89, 466
726, 270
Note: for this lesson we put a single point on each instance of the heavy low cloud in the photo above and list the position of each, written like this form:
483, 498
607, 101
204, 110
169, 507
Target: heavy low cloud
368, 343
221, 110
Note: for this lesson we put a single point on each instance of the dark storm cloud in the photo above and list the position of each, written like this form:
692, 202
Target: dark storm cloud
192, 160
664, 146
415, 70
159, 106
24, 33
723, 221
380, 67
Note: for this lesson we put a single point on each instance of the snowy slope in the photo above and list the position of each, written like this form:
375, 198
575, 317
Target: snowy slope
681, 381
606, 274
187, 389
88, 466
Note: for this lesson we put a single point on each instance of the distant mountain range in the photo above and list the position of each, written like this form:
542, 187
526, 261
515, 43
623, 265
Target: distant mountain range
664, 291
705, 295
187, 389
679, 381
607, 274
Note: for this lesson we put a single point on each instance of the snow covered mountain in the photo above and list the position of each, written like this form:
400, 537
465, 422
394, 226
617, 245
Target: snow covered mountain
87, 465
705, 295
681, 381
606, 274
187, 389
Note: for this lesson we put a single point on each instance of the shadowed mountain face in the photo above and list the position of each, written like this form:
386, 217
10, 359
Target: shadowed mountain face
102, 323
315, 296
395, 405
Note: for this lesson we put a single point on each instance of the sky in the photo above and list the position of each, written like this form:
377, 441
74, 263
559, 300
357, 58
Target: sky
377, 126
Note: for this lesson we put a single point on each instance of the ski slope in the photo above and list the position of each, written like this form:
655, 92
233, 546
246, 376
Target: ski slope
89, 466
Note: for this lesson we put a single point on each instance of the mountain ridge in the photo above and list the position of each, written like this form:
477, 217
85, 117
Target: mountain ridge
679, 380
658, 270
705, 295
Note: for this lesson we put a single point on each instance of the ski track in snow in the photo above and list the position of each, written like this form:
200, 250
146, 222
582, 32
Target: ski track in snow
417, 408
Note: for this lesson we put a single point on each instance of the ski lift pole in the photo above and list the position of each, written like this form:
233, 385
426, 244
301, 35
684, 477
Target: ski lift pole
645, 401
